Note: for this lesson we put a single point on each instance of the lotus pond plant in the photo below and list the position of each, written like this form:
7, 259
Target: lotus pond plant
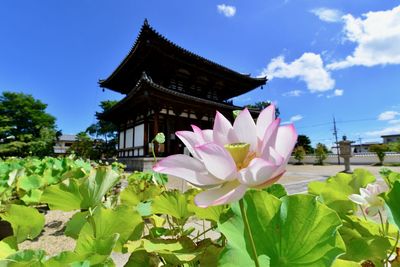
235, 215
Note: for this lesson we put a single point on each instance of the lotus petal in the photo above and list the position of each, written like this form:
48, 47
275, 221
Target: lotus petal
245, 129
266, 117
187, 168
229, 192
358, 199
223, 132
218, 161
258, 172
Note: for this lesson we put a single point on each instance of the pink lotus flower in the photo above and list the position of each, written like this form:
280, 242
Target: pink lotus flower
369, 199
229, 159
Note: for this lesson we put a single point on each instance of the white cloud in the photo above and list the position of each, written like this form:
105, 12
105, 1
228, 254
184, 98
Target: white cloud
293, 93
226, 10
394, 122
327, 14
309, 68
296, 118
337, 92
377, 39
386, 131
388, 115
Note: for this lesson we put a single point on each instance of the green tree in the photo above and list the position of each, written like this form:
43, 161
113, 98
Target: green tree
83, 147
305, 142
104, 131
262, 105
321, 153
299, 154
394, 146
380, 151
25, 126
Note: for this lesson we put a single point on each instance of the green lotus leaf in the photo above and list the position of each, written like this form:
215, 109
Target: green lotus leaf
172, 203
75, 224
14, 175
141, 258
294, 231
32, 196
76, 173
26, 222
96, 249
133, 193
344, 263
30, 182
364, 240
212, 213
31, 258
8, 246
392, 199
122, 220
94, 187
276, 190
72, 194
173, 251
335, 191
67, 258
211, 253
64, 196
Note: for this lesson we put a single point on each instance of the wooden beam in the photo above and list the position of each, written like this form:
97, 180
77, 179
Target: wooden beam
155, 129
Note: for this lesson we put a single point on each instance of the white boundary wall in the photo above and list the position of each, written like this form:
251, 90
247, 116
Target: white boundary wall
365, 158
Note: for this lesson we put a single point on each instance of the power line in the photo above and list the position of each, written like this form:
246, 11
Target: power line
338, 122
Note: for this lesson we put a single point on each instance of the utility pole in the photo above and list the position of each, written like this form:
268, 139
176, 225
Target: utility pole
337, 144
360, 139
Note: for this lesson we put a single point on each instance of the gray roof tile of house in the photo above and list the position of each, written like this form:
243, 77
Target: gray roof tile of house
67, 137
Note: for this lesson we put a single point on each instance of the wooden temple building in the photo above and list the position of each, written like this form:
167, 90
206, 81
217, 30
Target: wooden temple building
167, 88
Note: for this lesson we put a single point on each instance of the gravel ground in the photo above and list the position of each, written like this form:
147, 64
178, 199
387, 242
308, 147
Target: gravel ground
295, 180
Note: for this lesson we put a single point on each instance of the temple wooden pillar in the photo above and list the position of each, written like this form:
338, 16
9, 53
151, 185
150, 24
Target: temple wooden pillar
146, 136
155, 130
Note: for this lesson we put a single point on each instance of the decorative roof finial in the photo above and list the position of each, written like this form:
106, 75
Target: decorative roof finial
146, 22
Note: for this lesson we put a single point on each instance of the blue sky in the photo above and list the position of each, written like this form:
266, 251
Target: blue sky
323, 58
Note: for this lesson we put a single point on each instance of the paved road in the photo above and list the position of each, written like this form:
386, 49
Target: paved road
297, 177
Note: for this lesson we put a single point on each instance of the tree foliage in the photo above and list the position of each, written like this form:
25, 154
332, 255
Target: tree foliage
305, 142
262, 105
105, 132
394, 146
321, 153
380, 151
25, 126
83, 146
299, 154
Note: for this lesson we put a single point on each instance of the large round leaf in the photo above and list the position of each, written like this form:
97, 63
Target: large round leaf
96, 185
63, 196
292, 231
364, 241
172, 203
392, 199
335, 191
26, 222
123, 220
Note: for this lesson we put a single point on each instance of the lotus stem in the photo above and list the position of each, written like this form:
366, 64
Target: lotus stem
363, 213
383, 227
204, 232
394, 247
247, 227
